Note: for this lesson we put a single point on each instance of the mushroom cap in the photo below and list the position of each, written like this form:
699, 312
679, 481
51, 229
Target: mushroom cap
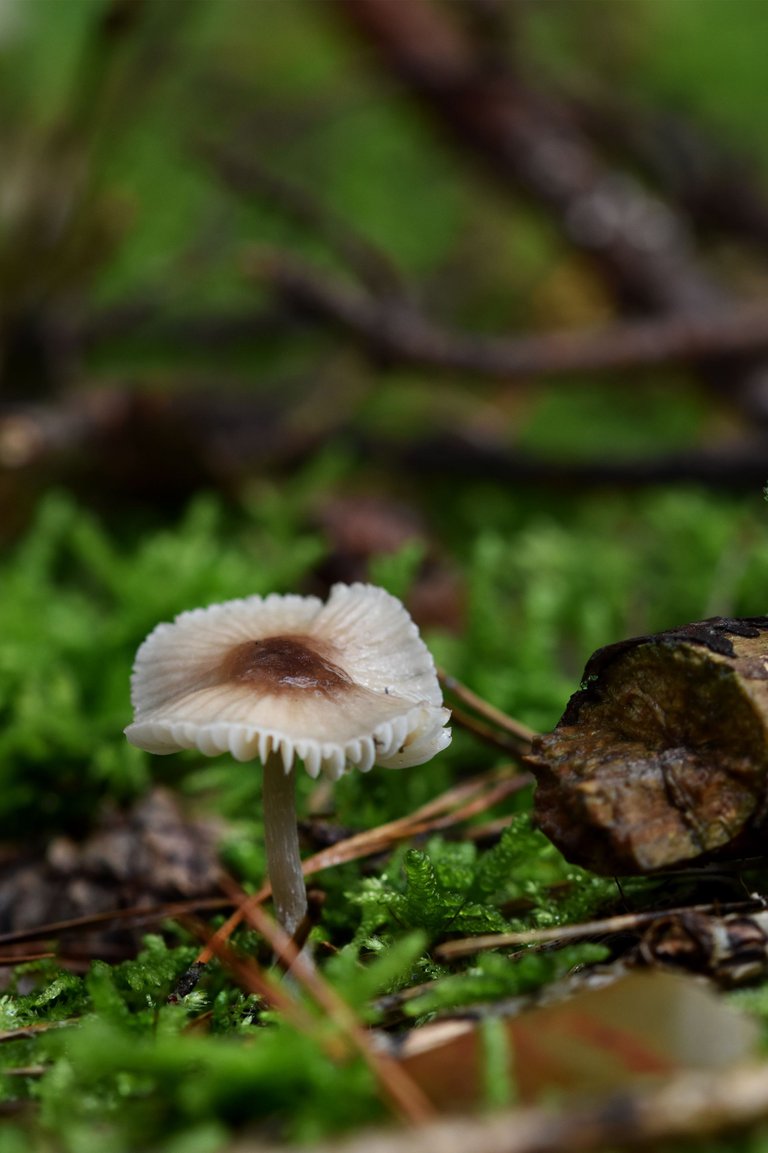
348, 683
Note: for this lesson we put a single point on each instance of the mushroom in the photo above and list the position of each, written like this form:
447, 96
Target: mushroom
338, 685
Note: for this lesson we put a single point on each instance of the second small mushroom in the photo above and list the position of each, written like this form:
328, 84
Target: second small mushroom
338, 685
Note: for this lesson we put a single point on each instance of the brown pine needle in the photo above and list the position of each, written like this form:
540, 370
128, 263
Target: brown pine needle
140, 914
485, 733
25, 1032
251, 977
427, 819
604, 927
489, 712
24, 958
457, 804
403, 1094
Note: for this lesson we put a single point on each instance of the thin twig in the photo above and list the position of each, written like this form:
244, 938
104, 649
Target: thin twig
243, 172
24, 958
496, 716
139, 914
736, 462
251, 977
485, 733
607, 926
399, 333
384, 837
719, 187
27, 1032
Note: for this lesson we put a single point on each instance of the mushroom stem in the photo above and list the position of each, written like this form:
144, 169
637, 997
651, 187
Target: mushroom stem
281, 838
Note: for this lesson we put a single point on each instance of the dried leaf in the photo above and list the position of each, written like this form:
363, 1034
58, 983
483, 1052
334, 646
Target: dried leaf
646, 1025
661, 757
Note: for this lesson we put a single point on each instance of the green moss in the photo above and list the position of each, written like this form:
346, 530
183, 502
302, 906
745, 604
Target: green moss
76, 603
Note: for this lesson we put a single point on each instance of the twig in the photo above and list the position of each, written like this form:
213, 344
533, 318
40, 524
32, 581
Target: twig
27, 1032
95, 432
399, 333
721, 188
250, 976
253, 979
738, 463
427, 819
243, 172
152, 316
496, 716
139, 914
607, 926
530, 141
485, 733
23, 959
640, 244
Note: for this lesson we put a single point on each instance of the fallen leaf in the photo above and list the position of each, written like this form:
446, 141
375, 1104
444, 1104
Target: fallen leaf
642, 1026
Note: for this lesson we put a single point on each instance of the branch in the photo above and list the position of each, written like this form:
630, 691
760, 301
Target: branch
737, 464
530, 142
134, 443
603, 927
640, 244
242, 172
151, 318
398, 332
720, 188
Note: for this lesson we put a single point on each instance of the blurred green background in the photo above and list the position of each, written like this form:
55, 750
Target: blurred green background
199, 199
177, 426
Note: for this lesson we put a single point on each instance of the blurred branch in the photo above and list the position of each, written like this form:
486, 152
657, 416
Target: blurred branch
397, 332
97, 77
136, 444
722, 190
735, 464
526, 140
59, 224
642, 246
148, 318
247, 176
161, 448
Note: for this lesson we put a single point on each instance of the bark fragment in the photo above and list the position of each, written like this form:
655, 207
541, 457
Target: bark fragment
661, 756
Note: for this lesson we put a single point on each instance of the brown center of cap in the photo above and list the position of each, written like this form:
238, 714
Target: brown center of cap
284, 664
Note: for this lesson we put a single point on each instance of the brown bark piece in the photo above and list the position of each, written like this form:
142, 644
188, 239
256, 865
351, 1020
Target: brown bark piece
661, 756
139, 858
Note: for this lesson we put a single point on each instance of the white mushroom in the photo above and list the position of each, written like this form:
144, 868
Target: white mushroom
341, 685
